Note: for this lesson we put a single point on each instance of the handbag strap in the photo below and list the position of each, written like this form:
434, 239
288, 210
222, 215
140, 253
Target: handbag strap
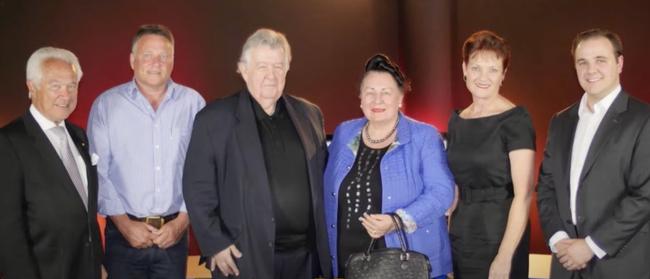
401, 234
399, 230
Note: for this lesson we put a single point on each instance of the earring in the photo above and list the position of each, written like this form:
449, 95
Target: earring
464, 78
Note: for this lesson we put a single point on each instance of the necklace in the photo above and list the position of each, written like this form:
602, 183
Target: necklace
354, 192
377, 141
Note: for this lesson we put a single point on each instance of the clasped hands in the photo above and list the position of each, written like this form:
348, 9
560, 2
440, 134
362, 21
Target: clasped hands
141, 235
573, 254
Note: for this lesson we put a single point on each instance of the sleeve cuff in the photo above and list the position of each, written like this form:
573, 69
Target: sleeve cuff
409, 223
559, 235
594, 248
110, 208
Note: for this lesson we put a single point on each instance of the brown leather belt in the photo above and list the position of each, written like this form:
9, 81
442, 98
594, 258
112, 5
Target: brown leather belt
154, 221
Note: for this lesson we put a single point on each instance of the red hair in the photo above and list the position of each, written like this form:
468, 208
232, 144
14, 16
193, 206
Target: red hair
486, 40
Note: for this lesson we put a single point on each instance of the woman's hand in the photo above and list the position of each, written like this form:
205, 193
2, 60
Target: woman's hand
377, 225
500, 268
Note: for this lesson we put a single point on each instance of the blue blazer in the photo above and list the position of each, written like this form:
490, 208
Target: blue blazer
415, 180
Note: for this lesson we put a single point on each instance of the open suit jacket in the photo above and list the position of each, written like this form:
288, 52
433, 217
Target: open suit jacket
613, 198
45, 231
226, 188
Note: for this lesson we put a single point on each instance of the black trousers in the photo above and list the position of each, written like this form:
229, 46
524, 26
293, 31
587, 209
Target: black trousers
293, 264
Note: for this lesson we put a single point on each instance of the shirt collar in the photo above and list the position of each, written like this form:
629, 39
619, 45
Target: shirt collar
134, 92
602, 105
42, 121
260, 114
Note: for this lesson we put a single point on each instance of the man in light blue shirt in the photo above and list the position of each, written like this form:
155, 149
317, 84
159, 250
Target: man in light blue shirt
138, 134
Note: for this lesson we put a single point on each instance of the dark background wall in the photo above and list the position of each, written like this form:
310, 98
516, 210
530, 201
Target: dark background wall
331, 41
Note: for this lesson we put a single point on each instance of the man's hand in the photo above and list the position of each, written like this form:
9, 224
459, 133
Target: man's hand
170, 233
563, 245
575, 255
225, 262
138, 234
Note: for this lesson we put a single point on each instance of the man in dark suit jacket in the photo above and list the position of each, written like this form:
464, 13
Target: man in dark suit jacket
48, 227
594, 185
253, 174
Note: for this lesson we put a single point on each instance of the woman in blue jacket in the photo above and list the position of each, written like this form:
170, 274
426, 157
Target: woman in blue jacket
385, 163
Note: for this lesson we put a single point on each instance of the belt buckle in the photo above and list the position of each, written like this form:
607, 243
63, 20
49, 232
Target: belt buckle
155, 221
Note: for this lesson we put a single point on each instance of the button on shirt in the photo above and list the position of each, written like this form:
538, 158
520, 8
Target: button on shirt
46, 125
141, 151
588, 123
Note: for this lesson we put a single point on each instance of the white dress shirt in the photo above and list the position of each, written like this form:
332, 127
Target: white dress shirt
588, 121
46, 125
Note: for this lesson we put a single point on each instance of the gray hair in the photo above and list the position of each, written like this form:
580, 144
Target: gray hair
266, 37
36, 60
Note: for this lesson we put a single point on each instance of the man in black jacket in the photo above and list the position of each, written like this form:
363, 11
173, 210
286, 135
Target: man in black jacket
48, 227
594, 185
253, 174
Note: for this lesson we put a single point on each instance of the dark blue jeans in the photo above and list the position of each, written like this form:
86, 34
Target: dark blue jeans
125, 262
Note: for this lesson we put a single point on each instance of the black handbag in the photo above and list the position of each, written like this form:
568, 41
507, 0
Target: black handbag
389, 263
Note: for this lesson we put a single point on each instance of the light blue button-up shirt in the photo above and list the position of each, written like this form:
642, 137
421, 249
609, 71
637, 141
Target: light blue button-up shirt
140, 151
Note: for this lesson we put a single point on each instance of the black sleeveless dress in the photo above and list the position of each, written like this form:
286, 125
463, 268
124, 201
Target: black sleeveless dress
478, 157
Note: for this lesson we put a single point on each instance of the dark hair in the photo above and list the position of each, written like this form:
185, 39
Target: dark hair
152, 29
613, 38
486, 40
381, 63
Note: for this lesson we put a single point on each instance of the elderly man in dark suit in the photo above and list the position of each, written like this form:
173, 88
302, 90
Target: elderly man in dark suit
48, 227
594, 185
253, 174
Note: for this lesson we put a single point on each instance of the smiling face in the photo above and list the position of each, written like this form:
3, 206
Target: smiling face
380, 97
484, 74
265, 73
152, 61
597, 67
55, 96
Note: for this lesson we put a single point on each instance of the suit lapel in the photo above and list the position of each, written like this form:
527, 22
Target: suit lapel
567, 134
566, 151
606, 129
303, 128
80, 142
566, 127
250, 145
45, 149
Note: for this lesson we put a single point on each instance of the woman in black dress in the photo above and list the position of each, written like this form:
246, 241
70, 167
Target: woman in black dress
491, 151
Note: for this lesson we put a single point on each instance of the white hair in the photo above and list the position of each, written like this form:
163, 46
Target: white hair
266, 37
36, 60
